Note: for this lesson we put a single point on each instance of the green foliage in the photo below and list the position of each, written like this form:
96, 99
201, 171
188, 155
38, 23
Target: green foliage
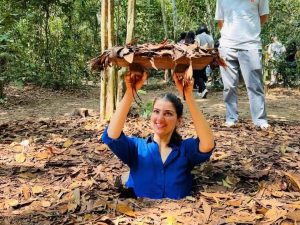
2, 101
145, 108
284, 21
49, 42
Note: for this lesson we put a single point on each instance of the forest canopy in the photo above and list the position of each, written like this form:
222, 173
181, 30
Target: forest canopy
48, 42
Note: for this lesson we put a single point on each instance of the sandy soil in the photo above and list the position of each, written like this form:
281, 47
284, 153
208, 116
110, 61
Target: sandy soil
32, 102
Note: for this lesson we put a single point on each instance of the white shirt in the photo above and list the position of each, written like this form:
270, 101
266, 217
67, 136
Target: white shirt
241, 28
276, 50
205, 40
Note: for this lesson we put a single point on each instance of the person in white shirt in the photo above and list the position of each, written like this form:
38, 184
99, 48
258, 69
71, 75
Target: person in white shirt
240, 46
204, 39
275, 50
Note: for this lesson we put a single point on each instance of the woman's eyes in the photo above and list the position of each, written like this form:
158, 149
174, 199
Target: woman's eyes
156, 111
169, 114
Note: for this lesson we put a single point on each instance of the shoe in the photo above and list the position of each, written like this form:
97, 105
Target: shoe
204, 93
199, 94
264, 126
230, 124
272, 84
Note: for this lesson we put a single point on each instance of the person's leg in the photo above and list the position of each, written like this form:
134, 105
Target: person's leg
274, 73
230, 78
251, 67
166, 76
203, 79
202, 76
196, 79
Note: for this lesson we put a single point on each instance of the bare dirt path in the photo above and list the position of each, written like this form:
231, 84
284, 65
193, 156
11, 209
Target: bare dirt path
33, 102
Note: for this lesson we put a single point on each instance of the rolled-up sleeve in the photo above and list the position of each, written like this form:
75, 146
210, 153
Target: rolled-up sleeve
125, 148
219, 15
263, 7
194, 155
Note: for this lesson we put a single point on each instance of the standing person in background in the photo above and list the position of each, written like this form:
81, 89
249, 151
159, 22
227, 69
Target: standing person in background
205, 40
181, 39
203, 37
240, 46
275, 51
198, 75
189, 38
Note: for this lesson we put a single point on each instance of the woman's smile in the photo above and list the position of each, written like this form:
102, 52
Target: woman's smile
163, 118
159, 125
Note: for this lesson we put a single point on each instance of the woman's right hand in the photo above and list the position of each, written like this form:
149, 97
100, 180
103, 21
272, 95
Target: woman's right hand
187, 87
134, 81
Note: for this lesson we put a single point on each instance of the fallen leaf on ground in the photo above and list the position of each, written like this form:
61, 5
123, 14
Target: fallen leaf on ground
215, 195
46, 204
123, 208
68, 143
75, 184
37, 189
72, 207
295, 180
42, 155
12, 202
20, 158
243, 218
25, 143
295, 215
234, 202
171, 220
206, 208
18, 148
76, 196
274, 214
26, 192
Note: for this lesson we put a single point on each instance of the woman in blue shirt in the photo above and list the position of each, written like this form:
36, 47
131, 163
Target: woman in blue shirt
160, 165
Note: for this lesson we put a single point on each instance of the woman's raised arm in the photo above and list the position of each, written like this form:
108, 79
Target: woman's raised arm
133, 83
202, 127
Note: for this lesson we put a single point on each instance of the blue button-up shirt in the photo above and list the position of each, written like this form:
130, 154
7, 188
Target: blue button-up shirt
149, 176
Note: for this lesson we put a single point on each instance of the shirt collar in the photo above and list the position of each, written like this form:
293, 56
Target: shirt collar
150, 139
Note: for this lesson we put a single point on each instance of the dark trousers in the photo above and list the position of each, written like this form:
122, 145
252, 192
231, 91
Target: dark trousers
200, 79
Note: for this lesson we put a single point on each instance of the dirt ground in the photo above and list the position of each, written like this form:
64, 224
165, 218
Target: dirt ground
54, 170
33, 102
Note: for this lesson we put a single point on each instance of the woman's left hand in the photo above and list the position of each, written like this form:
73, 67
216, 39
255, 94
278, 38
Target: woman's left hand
134, 81
182, 85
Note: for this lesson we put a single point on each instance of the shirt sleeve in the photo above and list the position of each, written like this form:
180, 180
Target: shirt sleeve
219, 15
263, 7
125, 148
195, 157
197, 39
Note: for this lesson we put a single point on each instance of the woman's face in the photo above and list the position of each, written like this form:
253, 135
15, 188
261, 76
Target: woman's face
164, 118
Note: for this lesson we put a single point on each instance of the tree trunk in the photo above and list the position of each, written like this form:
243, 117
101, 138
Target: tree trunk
129, 37
104, 44
47, 36
111, 85
162, 3
108, 91
164, 18
1, 87
130, 20
210, 17
175, 22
